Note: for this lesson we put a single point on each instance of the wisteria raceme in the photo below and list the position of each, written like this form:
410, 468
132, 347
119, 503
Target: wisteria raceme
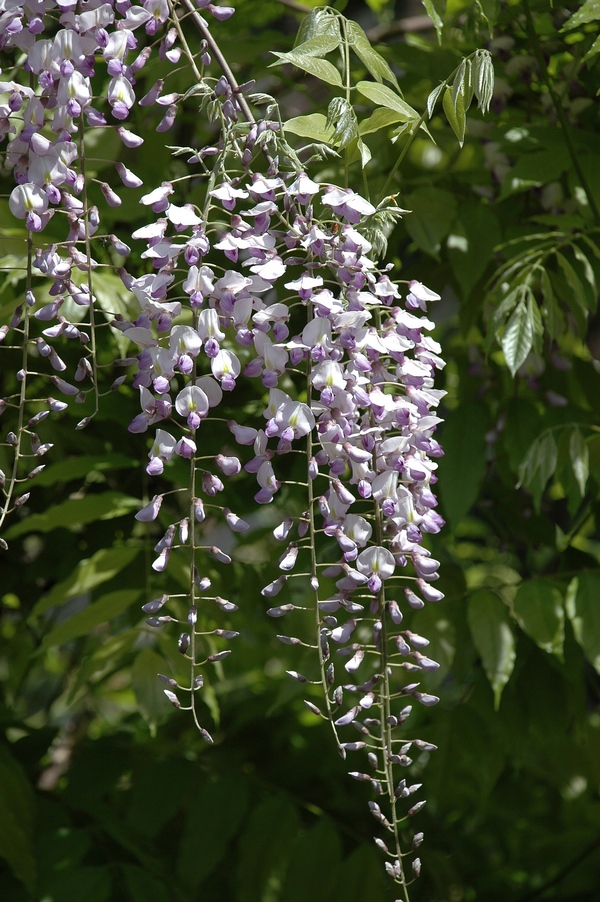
266, 283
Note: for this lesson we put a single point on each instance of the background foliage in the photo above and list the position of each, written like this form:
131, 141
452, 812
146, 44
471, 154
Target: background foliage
106, 793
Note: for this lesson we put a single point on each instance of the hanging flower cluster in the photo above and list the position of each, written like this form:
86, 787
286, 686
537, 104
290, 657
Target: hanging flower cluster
272, 283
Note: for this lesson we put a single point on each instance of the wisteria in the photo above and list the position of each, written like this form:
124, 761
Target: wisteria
266, 284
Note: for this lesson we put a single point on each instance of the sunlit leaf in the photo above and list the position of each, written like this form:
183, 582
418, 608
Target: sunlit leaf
579, 454
583, 610
517, 340
435, 10
370, 58
321, 69
455, 114
384, 96
589, 11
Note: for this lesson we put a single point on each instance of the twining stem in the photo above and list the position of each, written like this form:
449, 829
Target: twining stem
560, 113
216, 52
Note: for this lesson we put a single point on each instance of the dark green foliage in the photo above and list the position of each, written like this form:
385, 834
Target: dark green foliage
106, 792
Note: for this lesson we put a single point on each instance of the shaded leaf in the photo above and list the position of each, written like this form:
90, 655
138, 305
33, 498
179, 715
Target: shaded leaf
148, 689
76, 512
313, 867
262, 865
432, 214
214, 819
475, 234
538, 607
79, 467
17, 805
493, 638
101, 611
89, 573
463, 466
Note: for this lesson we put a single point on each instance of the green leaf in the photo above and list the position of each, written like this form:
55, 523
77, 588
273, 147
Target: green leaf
312, 871
321, 69
594, 50
215, 816
538, 607
148, 689
455, 114
552, 314
361, 877
433, 99
262, 865
142, 886
589, 11
384, 96
381, 118
370, 58
580, 460
342, 119
100, 612
475, 234
490, 10
583, 609
483, 77
365, 152
313, 126
462, 468
79, 467
589, 276
92, 883
517, 340
575, 296
493, 638
318, 22
89, 573
76, 512
547, 458
433, 212
320, 45
17, 806
435, 9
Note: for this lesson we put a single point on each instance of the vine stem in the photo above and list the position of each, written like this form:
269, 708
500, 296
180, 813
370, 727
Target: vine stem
313, 557
22, 394
560, 113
